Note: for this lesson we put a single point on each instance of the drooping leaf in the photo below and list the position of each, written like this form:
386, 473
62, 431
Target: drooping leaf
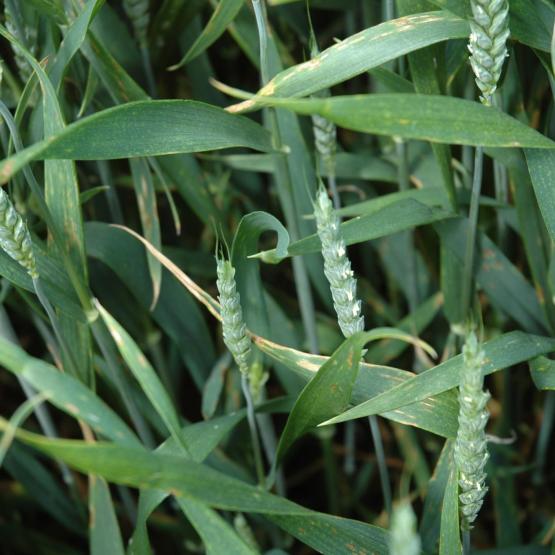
502, 352
437, 414
365, 50
438, 119
329, 391
144, 128
141, 468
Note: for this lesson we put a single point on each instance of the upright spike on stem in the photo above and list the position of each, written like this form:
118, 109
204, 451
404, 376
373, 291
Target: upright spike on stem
488, 49
337, 266
471, 452
239, 345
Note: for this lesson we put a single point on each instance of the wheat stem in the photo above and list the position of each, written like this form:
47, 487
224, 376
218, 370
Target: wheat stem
382, 465
239, 345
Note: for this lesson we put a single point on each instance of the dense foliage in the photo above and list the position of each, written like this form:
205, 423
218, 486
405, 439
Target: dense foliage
277, 277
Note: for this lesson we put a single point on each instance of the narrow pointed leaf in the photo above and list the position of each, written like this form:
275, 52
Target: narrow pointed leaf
502, 352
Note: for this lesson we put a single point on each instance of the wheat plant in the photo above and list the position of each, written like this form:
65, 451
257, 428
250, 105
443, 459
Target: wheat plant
157, 399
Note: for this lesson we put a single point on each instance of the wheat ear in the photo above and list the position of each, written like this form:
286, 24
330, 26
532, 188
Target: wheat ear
488, 43
234, 328
404, 539
337, 266
137, 12
15, 239
471, 452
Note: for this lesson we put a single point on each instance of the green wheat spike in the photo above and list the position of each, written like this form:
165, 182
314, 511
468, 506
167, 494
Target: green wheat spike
15, 239
337, 266
488, 43
471, 454
234, 327
138, 13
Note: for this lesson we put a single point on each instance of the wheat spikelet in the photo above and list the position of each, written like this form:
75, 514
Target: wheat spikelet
137, 11
337, 266
488, 43
471, 452
14, 236
404, 539
234, 328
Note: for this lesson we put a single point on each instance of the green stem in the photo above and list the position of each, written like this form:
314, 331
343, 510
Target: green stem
382, 465
104, 343
544, 436
251, 418
332, 186
350, 448
330, 466
68, 356
41, 412
466, 542
147, 65
466, 158
471, 230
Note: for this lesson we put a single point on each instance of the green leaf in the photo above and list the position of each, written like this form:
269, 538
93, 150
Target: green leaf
542, 370
389, 218
150, 222
247, 272
437, 414
415, 323
145, 375
430, 196
203, 437
438, 119
176, 312
73, 39
502, 352
223, 15
39, 481
505, 286
52, 8
450, 536
328, 393
66, 393
365, 50
541, 164
431, 514
187, 479
105, 535
54, 279
144, 128
347, 165
218, 536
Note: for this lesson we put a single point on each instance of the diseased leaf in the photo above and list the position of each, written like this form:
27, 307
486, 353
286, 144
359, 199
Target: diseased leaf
502, 352
438, 119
